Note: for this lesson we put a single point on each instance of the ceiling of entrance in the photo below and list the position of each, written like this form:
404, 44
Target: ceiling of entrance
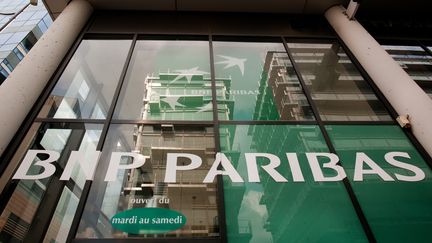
259, 6
55, 7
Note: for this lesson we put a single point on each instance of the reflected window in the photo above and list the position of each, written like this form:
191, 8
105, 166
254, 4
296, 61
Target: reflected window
3, 74
144, 187
18, 53
337, 87
8, 65
167, 80
89, 81
23, 206
256, 81
416, 62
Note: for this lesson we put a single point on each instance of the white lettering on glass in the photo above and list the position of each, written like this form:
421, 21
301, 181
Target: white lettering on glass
325, 167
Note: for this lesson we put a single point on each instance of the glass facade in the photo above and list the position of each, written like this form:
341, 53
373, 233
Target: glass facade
29, 195
264, 85
86, 88
243, 139
385, 203
337, 87
20, 35
145, 186
271, 211
173, 88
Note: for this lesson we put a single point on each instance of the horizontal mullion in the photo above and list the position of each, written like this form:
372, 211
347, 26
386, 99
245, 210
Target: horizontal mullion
360, 123
156, 122
150, 240
61, 120
227, 122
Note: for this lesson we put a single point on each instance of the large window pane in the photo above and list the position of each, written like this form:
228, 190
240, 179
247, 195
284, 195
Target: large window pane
337, 88
86, 87
18, 216
144, 187
167, 80
256, 81
283, 212
397, 211
416, 62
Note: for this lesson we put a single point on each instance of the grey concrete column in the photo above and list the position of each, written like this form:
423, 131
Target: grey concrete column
20, 90
406, 97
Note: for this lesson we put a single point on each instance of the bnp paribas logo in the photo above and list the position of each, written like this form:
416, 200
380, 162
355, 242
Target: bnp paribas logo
172, 100
233, 62
228, 61
188, 74
222, 165
179, 101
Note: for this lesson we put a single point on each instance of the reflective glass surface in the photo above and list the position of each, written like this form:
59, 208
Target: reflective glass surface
145, 187
27, 27
167, 80
24, 203
86, 87
283, 212
337, 88
416, 62
256, 81
397, 211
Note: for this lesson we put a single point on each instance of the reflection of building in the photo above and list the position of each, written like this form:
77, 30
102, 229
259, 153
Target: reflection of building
416, 61
29, 196
281, 96
145, 187
288, 204
96, 67
240, 230
336, 86
184, 97
20, 35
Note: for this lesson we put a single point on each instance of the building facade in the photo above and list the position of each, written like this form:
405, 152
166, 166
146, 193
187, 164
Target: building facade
191, 126
20, 35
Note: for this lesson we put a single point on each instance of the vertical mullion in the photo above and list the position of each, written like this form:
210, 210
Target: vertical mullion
85, 192
219, 178
357, 207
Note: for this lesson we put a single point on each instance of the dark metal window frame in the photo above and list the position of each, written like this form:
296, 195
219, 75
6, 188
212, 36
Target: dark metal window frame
210, 37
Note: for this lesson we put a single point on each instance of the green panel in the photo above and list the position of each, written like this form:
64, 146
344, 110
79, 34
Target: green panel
397, 211
290, 211
148, 220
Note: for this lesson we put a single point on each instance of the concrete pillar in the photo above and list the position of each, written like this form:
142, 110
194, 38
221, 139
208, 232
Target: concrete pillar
401, 91
21, 89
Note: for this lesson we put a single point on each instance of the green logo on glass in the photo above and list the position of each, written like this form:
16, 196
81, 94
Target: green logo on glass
148, 220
